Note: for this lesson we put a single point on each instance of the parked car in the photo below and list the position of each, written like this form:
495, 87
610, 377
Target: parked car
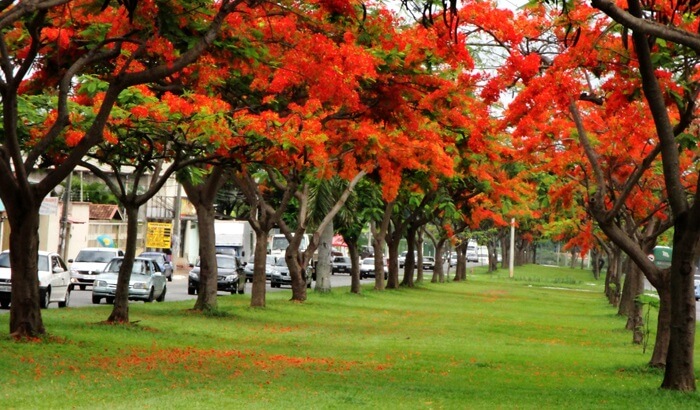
367, 269
472, 256
90, 262
453, 260
696, 279
54, 280
341, 264
228, 269
281, 275
269, 268
428, 263
146, 282
162, 260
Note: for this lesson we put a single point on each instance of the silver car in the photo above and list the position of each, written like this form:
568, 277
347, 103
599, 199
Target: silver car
146, 283
281, 276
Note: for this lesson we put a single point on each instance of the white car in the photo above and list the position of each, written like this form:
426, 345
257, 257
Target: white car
428, 263
146, 283
367, 269
90, 262
54, 280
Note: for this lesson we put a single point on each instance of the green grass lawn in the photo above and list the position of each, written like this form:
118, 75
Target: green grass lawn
544, 339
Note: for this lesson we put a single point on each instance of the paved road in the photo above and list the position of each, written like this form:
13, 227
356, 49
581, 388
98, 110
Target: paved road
177, 290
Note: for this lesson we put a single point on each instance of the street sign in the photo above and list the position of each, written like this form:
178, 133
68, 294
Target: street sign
158, 235
662, 256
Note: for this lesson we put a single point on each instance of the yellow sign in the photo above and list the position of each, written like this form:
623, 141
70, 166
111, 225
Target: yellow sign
158, 235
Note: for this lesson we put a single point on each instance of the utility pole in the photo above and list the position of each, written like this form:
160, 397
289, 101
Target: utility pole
63, 236
175, 234
512, 247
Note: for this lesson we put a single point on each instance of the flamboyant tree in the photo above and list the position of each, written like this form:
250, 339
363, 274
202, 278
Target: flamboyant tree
147, 140
346, 92
582, 90
677, 24
46, 46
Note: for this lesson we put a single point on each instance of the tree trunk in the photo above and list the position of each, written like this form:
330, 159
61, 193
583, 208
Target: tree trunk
25, 312
202, 196
680, 373
206, 293
354, 253
120, 310
378, 243
257, 294
493, 255
597, 258
438, 271
291, 256
612, 277
393, 267
461, 268
323, 267
409, 263
630, 306
420, 277
663, 326
378, 238
630, 290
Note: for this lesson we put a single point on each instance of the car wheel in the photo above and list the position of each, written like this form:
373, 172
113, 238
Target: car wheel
5, 303
162, 295
96, 300
45, 296
191, 291
151, 296
66, 301
110, 300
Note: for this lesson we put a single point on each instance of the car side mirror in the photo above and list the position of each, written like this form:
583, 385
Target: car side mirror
58, 269
70, 260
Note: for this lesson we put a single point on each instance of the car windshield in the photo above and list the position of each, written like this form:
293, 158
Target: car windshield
281, 262
225, 263
94, 256
280, 242
342, 260
138, 268
368, 261
158, 257
43, 261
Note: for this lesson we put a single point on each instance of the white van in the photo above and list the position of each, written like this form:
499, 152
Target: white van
90, 262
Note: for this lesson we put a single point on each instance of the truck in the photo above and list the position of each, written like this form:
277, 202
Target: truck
278, 244
234, 237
